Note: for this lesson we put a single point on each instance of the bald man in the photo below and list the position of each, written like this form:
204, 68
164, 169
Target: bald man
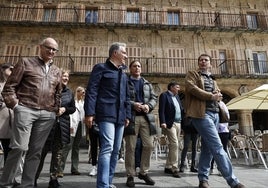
33, 91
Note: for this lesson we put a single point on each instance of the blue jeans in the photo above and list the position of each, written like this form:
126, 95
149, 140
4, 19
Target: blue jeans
211, 146
110, 136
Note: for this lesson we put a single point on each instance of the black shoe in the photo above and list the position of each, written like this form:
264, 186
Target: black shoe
16, 184
146, 178
193, 169
130, 181
53, 183
239, 185
182, 167
168, 171
176, 174
76, 173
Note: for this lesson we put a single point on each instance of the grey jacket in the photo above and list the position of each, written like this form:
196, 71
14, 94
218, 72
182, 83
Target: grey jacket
150, 98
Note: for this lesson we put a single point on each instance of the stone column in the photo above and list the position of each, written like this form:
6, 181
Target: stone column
245, 122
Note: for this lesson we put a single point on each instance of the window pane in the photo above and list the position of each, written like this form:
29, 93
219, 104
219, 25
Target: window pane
252, 21
223, 62
49, 15
91, 16
255, 62
173, 18
260, 62
133, 17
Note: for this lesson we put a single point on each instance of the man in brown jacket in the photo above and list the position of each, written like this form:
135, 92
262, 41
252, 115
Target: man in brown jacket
201, 103
33, 92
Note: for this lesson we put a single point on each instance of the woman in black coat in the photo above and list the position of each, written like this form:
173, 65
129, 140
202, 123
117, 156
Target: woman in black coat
60, 134
62, 130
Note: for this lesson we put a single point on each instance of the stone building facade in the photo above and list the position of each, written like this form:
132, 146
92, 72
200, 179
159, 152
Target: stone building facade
166, 35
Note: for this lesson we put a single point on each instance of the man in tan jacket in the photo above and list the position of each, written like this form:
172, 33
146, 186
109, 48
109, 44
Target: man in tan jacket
201, 103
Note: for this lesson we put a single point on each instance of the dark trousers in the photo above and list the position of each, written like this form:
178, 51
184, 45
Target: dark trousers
46, 149
224, 140
94, 142
187, 138
53, 144
5, 143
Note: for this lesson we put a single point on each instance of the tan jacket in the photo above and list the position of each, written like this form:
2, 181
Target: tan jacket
30, 85
195, 95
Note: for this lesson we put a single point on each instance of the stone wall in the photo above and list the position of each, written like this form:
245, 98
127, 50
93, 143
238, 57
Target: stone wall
152, 42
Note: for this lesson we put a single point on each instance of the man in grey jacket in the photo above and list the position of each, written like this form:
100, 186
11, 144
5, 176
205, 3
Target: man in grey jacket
33, 92
143, 100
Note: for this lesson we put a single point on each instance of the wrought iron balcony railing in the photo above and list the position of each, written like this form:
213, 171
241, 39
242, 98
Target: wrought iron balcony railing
164, 66
27, 15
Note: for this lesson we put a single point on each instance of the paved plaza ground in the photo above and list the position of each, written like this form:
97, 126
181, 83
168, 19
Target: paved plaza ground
254, 176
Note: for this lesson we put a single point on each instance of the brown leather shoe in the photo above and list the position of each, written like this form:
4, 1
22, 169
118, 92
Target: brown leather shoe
239, 185
203, 184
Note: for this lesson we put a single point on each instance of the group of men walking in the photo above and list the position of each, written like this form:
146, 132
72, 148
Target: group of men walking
118, 103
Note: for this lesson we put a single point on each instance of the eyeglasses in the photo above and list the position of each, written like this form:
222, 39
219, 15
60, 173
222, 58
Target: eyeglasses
49, 48
203, 59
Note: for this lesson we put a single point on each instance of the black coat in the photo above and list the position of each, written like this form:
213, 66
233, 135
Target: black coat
67, 101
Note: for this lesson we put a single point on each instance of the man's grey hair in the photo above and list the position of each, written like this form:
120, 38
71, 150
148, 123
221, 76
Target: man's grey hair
116, 46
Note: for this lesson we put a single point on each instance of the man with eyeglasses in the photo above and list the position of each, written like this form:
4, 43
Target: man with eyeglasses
33, 91
201, 104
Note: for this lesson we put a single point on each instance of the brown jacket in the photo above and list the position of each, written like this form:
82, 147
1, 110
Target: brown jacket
195, 95
29, 85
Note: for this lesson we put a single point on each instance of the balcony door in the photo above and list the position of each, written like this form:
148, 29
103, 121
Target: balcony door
223, 61
12, 53
176, 61
49, 14
260, 62
173, 18
91, 15
252, 20
88, 59
132, 16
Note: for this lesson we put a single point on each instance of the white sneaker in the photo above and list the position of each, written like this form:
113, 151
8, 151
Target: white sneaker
137, 170
121, 160
93, 171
